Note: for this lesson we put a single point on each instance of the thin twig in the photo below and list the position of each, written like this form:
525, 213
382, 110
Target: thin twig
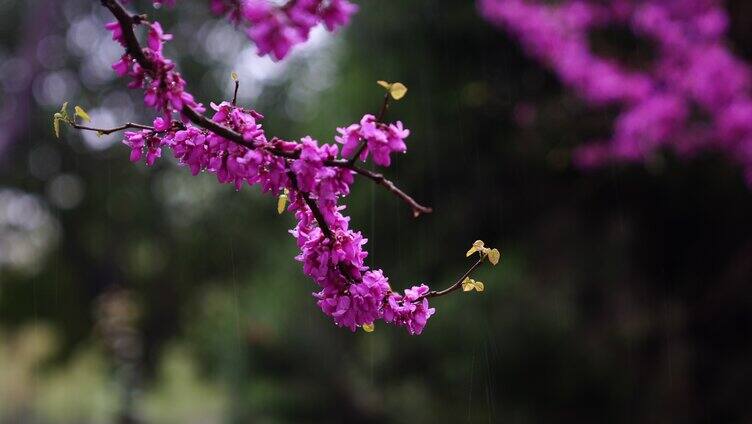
458, 283
106, 131
381, 180
311, 205
384, 107
133, 47
235, 95
318, 215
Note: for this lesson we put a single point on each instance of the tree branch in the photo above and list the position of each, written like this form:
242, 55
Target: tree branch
235, 94
381, 180
126, 21
106, 131
215, 127
458, 283
312, 206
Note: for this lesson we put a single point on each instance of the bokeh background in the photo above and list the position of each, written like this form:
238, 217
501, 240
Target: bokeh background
133, 294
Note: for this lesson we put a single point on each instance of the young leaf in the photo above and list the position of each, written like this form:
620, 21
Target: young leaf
234, 76
64, 111
397, 90
282, 203
56, 125
384, 84
468, 284
368, 328
493, 256
477, 247
81, 113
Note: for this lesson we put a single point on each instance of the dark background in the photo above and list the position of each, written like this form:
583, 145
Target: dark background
138, 293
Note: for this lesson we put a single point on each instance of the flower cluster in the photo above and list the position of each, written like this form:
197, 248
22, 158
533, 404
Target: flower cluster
277, 29
694, 96
351, 293
411, 310
331, 252
381, 139
163, 86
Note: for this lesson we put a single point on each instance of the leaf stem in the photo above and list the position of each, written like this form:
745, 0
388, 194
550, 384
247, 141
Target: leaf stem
106, 131
457, 284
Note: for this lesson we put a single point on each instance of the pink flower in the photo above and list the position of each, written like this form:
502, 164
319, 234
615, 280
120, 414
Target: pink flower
338, 14
381, 140
308, 166
161, 124
350, 138
410, 311
144, 140
157, 37
117, 32
164, 88
277, 29
361, 303
122, 66
273, 37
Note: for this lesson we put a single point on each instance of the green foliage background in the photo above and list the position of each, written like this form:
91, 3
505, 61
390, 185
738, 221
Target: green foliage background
622, 295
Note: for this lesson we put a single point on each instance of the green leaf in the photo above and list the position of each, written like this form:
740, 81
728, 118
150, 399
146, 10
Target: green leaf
397, 90
384, 84
479, 287
282, 202
64, 111
468, 284
477, 247
494, 255
81, 113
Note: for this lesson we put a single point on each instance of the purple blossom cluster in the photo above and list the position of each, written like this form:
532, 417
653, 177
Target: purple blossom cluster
332, 254
693, 97
409, 310
381, 139
163, 86
277, 29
